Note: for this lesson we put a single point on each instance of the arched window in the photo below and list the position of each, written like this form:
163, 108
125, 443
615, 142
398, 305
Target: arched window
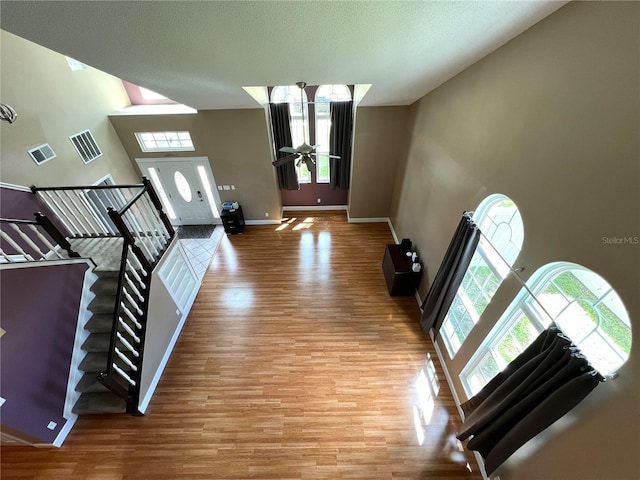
581, 303
499, 221
299, 113
325, 94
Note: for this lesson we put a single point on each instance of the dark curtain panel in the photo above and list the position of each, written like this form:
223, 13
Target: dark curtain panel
281, 127
452, 269
538, 387
340, 140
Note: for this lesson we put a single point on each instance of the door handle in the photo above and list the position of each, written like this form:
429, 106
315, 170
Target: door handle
200, 196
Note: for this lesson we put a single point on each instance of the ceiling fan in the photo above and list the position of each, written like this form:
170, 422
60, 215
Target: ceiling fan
303, 153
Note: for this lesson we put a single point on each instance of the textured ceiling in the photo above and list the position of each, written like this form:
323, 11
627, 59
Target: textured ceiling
203, 53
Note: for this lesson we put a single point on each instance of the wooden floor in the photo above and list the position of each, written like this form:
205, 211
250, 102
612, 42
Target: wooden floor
293, 364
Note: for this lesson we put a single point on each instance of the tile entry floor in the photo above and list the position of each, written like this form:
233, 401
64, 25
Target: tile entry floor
200, 243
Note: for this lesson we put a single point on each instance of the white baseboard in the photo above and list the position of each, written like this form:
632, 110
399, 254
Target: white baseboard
262, 222
368, 220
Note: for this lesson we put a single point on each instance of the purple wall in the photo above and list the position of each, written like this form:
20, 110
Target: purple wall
309, 194
21, 205
39, 312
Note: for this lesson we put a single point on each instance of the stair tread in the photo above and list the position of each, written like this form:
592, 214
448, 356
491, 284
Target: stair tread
105, 285
106, 402
97, 342
89, 383
103, 304
94, 362
100, 323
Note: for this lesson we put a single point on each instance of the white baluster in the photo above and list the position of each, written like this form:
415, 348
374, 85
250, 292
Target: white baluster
128, 345
134, 259
69, 211
128, 329
154, 218
151, 227
110, 227
96, 218
124, 358
132, 302
147, 231
17, 247
143, 246
156, 215
130, 315
133, 271
134, 288
123, 374
5, 257
52, 203
27, 240
76, 202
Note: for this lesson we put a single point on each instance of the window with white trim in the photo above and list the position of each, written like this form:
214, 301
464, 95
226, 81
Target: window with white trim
299, 120
500, 222
165, 141
581, 303
325, 94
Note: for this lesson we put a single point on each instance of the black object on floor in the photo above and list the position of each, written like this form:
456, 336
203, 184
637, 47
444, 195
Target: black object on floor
194, 231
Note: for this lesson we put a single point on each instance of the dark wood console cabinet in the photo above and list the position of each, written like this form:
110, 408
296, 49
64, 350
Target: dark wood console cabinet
396, 266
233, 220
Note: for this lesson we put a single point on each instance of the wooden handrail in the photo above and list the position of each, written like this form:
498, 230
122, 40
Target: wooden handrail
54, 233
35, 189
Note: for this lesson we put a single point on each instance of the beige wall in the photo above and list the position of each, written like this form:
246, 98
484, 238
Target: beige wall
380, 146
53, 103
551, 120
236, 143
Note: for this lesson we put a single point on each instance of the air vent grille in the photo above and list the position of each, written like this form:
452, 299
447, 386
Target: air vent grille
42, 154
86, 146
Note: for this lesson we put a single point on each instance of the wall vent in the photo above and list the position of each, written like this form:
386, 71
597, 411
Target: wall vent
42, 154
86, 146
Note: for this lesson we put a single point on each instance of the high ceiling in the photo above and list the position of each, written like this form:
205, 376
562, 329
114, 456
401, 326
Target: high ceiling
203, 53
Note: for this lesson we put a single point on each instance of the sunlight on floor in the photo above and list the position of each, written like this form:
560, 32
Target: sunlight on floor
295, 224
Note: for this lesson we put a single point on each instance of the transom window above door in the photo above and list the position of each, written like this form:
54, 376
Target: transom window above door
165, 141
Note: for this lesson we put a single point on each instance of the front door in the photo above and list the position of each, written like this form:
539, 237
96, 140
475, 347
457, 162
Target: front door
185, 187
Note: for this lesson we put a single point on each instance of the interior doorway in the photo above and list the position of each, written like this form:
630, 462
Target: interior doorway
186, 188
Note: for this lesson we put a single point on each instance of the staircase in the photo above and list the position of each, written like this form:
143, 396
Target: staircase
94, 396
124, 230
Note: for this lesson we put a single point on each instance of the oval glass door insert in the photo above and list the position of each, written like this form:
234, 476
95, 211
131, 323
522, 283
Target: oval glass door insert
183, 186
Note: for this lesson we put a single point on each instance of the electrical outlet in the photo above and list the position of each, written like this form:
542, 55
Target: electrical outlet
52, 425
319, 201
233, 187
266, 214
219, 187
226, 187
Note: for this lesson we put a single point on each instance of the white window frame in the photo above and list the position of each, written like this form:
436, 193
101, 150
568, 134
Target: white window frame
486, 255
325, 94
178, 138
528, 302
290, 94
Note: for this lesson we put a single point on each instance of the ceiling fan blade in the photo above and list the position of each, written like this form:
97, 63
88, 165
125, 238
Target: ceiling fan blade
322, 154
288, 150
309, 163
281, 161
